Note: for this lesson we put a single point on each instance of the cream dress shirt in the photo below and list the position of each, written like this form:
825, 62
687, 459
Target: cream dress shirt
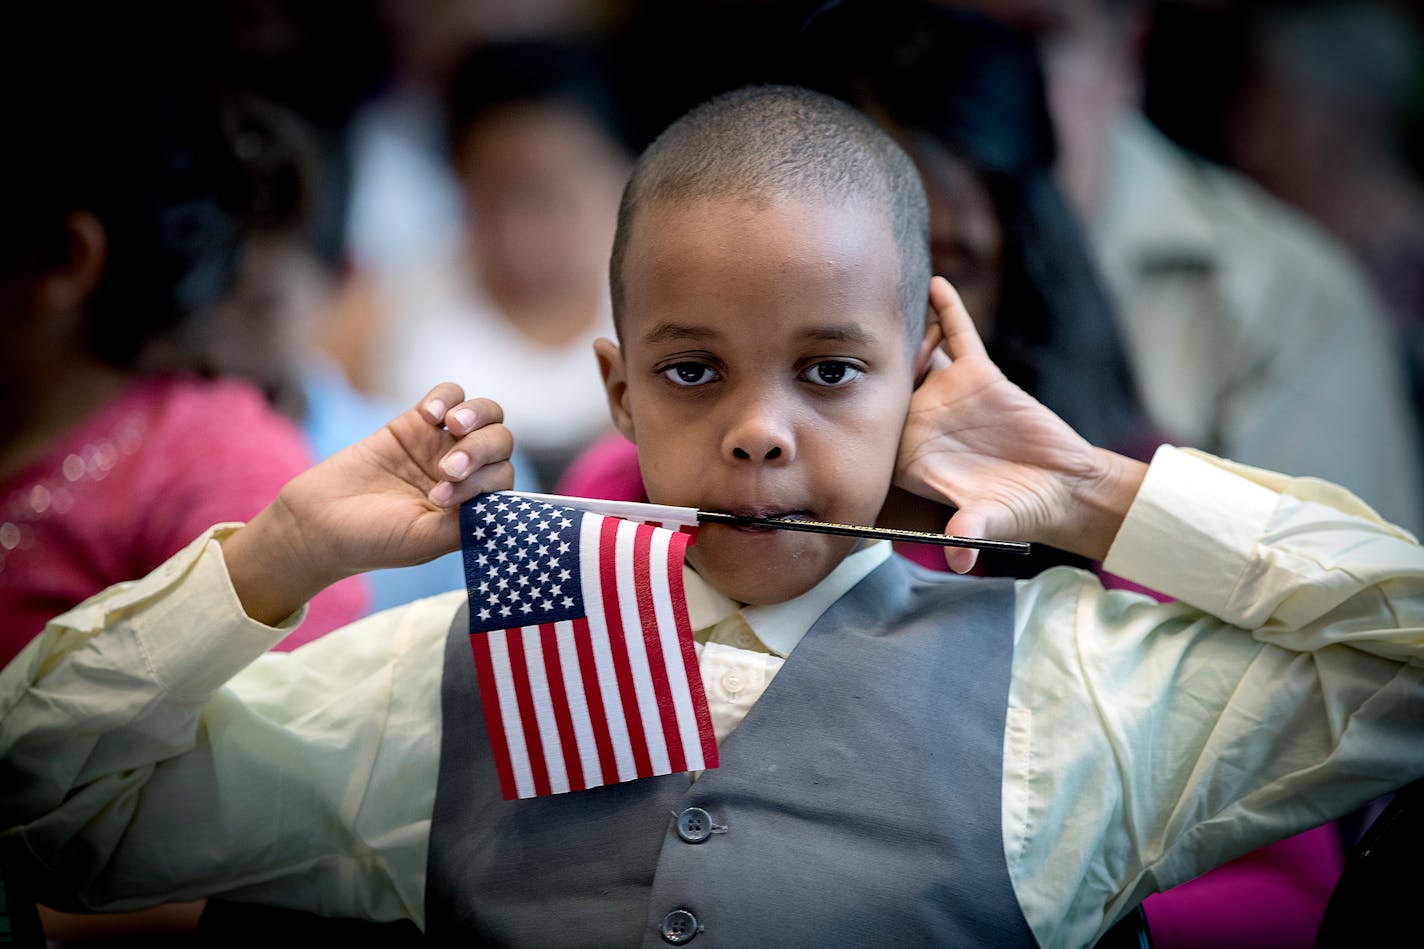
148, 740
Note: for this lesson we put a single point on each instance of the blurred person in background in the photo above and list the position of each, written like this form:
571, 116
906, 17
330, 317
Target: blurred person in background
1323, 121
124, 222
1252, 333
540, 152
125, 214
265, 329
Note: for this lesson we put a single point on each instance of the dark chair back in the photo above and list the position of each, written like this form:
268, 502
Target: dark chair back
1383, 876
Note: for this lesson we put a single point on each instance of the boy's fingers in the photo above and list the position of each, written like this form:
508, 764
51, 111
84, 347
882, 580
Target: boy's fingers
494, 477
473, 415
961, 339
439, 400
486, 445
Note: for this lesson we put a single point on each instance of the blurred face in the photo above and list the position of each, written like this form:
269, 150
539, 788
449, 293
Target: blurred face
966, 241
765, 370
543, 186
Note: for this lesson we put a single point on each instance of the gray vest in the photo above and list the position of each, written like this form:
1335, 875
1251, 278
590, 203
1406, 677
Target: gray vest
857, 804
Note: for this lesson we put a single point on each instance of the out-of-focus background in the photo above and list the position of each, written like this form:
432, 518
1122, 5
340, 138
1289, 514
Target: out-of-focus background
241, 234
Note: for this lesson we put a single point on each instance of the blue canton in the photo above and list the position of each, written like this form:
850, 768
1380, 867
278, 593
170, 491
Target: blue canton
521, 562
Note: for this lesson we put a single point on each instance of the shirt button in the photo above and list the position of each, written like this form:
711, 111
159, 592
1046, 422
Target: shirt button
731, 682
694, 825
679, 927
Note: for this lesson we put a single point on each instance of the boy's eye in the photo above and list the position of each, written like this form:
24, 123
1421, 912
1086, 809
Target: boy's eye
831, 372
689, 374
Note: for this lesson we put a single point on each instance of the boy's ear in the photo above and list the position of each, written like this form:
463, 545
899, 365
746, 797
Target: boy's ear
615, 385
924, 352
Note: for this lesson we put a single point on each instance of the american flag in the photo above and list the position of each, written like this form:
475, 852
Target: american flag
582, 647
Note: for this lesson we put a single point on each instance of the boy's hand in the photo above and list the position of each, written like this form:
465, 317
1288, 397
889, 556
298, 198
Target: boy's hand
1013, 469
390, 500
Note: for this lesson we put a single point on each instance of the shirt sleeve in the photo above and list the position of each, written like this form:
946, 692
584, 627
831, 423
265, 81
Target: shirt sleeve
1147, 743
153, 750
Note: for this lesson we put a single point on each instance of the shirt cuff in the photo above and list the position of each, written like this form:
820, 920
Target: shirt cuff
185, 618
1192, 529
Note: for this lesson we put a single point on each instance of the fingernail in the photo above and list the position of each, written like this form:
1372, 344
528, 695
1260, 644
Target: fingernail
442, 493
455, 464
436, 408
466, 417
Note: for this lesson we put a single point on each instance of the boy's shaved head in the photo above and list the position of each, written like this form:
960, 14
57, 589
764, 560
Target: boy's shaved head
761, 143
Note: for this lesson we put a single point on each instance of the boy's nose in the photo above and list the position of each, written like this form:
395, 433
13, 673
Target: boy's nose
758, 436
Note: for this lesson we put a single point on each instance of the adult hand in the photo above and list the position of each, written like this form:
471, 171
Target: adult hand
1014, 470
390, 500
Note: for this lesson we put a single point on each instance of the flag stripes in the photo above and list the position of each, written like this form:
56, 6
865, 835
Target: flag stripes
609, 693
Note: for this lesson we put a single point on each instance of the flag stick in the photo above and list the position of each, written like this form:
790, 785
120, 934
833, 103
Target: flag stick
664, 513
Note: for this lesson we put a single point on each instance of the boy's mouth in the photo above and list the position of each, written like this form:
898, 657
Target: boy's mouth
757, 511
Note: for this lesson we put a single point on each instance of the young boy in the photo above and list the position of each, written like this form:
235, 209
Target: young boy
929, 759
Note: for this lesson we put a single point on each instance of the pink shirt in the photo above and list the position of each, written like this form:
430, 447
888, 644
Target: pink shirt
132, 484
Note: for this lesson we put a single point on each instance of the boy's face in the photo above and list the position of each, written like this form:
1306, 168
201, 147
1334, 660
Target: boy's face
765, 370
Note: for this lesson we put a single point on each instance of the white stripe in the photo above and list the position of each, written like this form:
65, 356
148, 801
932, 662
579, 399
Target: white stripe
675, 667
509, 713
637, 651
628, 510
592, 587
578, 704
544, 711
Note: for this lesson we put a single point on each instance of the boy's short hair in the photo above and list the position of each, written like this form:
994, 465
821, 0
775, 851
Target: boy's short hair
767, 141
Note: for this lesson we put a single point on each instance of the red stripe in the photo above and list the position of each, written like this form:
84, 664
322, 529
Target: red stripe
677, 550
558, 697
612, 613
494, 724
583, 641
657, 665
519, 672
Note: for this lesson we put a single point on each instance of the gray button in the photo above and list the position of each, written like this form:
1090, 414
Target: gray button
679, 927
694, 825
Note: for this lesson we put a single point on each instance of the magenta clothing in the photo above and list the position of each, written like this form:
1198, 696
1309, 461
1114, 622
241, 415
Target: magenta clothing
133, 484
1273, 897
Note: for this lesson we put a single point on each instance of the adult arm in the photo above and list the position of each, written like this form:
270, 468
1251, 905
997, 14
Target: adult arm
1149, 742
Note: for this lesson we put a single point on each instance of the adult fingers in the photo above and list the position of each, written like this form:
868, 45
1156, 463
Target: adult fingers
966, 522
961, 339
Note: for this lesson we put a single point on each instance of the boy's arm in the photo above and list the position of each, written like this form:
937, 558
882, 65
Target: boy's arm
1014, 470
390, 500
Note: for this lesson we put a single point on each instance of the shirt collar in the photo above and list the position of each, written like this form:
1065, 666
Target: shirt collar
781, 625
1153, 203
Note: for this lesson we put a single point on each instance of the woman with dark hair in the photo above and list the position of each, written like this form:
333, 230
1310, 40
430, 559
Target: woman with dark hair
125, 211
965, 97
